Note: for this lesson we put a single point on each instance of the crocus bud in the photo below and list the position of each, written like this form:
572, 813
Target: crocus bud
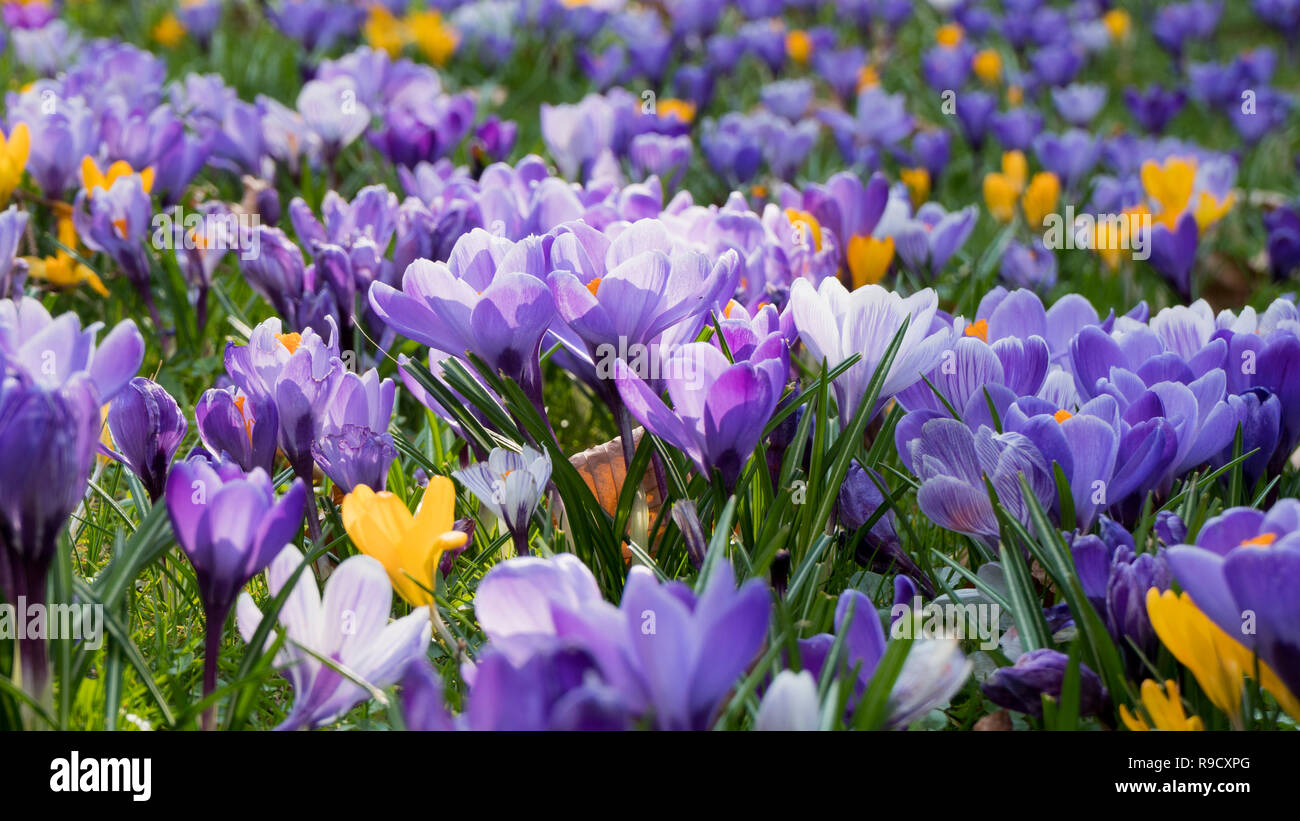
1170, 528
1021, 686
147, 427
1126, 595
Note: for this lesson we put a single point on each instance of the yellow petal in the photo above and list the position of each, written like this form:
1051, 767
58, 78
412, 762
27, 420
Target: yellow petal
999, 196
18, 146
1170, 184
869, 259
1041, 197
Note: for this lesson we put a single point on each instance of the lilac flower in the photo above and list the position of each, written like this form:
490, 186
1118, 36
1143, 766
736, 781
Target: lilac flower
1173, 253
974, 112
348, 626
1283, 226
1029, 266
790, 704
732, 148
834, 324
1070, 156
1268, 112
331, 110
787, 98
316, 24
660, 155
147, 427
493, 140
1055, 64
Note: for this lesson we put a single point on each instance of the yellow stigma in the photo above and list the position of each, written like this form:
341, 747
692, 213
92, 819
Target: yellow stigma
978, 329
1061, 415
1262, 540
290, 341
594, 285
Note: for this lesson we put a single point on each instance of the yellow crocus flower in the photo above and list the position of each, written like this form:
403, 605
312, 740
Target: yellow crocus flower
383, 31
1040, 198
408, 546
917, 181
798, 46
999, 196
92, 179
1216, 659
62, 270
13, 159
169, 32
1210, 209
435, 39
1170, 185
869, 259
949, 34
1164, 707
987, 64
868, 77
1119, 23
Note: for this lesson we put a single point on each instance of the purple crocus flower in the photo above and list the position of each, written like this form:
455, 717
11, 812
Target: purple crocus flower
510, 485
230, 526
667, 651
487, 299
732, 148
947, 67
1029, 266
1267, 112
147, 427
236, 427
200, 18
49, 351
1070, 156
787, 98
1056, 64
1283, 226
834, 324
577, 134
720, 407
13, 271
48, 434
1079, 103
493, 141
663, 156
927, 242
60, 135
974, 112
1173, 253
298, 374
1154, 107
354, 446
316, 24
332, 111
1039, 673
933, 672
348, 626
1016, 129
1240, 572
116, 222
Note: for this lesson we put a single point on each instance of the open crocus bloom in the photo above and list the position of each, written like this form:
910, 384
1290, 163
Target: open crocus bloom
408, 546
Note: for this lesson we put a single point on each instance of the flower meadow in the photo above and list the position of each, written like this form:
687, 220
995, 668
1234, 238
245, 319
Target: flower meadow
676, 365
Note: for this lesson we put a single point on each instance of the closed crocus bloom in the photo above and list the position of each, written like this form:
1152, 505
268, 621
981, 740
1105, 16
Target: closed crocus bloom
408, 546
510, 484
1039, 673
917, 181
48, 437
1000, 197
1169, 185
790, 704
1041, 198
346, 629
14, 148
230, 525
238, 427
1214, 657
869, 259
987, 64
147, 427
1164, 707
12, 271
